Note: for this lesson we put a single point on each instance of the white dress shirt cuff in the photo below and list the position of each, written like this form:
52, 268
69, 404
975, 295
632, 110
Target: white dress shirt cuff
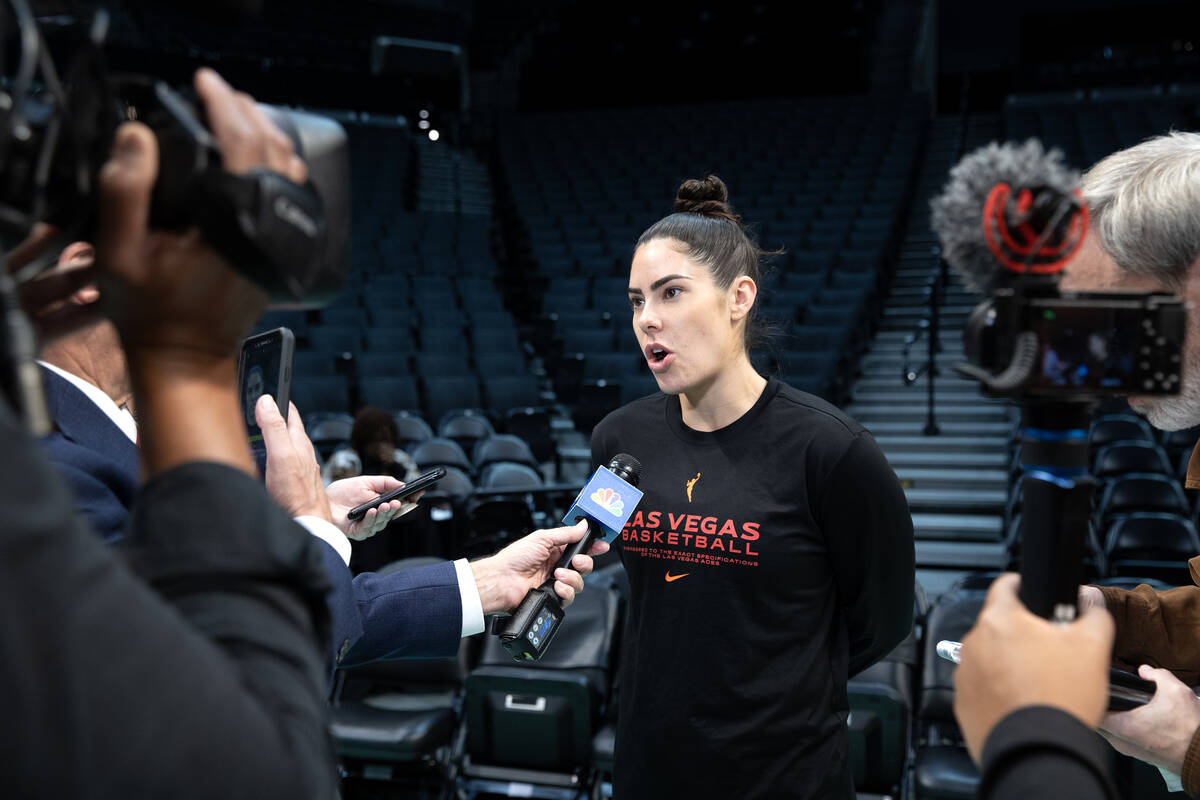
328, 533
472, 606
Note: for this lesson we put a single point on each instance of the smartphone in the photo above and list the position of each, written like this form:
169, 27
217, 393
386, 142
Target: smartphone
418, 484
1125, 689
265, 367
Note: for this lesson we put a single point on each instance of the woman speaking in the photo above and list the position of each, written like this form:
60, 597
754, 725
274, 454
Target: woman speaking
772, 554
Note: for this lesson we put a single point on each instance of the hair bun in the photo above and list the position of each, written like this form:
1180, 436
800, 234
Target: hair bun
708, 197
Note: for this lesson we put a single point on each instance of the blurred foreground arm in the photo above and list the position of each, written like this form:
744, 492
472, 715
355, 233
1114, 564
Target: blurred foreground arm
204, 678
1027, 694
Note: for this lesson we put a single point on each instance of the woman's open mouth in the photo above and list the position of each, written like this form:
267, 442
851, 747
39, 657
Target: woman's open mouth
658, 357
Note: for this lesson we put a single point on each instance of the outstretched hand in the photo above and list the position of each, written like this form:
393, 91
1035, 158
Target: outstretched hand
505, 578
350, 492
1161, 731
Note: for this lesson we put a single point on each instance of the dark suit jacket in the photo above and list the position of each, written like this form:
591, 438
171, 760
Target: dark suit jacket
192, 668
411, 613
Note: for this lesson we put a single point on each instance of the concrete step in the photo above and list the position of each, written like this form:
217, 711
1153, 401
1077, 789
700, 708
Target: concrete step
963, 501
959, 527
948, 311
902, 459
897, 337
893, 361
948, 429
918, 393
912, 299
890, 370
943, 478
953, 290
919, 349
972, 444
961, 555
886, 358
891, 381
917, 411
951, 326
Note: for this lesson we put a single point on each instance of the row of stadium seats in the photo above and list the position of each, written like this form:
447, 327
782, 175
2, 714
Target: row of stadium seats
479, 721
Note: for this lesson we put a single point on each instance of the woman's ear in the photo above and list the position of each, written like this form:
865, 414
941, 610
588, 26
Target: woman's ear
743, 293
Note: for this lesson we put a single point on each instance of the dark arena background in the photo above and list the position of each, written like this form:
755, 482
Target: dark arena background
505, 157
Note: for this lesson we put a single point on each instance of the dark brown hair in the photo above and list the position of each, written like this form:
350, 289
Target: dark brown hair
372, 424
714, 236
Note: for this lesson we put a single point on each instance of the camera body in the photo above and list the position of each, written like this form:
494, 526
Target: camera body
292, 240
1076, 346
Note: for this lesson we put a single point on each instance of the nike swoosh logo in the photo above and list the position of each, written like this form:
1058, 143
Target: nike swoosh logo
671, 577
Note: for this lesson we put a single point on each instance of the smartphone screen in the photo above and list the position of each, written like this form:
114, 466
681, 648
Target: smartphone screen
265, 368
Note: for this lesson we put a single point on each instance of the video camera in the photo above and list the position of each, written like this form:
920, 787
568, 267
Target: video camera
56, 132
1010, 219
59, 110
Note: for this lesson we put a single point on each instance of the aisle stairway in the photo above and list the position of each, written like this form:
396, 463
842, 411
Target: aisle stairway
956, 481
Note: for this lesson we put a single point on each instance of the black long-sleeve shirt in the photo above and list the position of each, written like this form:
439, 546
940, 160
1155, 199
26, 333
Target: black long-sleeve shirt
1042, 752
768, 561
190, 666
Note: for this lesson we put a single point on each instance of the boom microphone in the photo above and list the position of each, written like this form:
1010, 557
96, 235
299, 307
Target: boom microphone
1014, 205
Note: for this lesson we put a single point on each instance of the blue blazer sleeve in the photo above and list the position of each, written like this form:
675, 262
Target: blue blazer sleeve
410, 613
414, 613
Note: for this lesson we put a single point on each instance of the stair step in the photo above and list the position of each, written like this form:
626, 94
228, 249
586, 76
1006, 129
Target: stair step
918, 394
959, 527
948, 429
892, 382
949, 412
964, 555
947, 358
919, 348
902, 459
885, 368
947, 310
967, 501
915, 300
953, 290
951, 326
944, 478
891, 443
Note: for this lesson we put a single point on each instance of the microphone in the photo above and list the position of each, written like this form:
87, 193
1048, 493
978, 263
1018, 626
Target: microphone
1016, 205
607, 502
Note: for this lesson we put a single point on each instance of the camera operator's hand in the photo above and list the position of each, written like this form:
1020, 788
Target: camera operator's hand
505, 578
180, 309
293, 478
1013, 658
1161, 731
350, 492
1090, 597
173, 289
61, 300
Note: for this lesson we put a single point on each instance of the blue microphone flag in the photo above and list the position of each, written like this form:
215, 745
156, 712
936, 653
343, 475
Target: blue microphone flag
608, 500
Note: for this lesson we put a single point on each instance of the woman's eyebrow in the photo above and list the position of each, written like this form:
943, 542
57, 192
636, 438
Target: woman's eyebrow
663, 280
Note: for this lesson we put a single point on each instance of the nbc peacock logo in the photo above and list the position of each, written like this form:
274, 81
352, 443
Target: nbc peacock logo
609, 500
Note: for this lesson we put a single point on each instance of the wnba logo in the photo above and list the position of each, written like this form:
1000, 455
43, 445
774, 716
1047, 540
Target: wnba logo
609, 500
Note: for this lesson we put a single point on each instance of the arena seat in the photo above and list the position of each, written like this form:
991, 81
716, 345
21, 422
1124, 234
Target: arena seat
466, 427
942, 768
534, 723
